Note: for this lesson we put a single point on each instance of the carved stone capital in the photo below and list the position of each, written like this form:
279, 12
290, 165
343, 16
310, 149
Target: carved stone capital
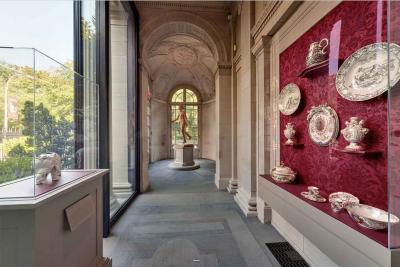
224, 68
262, 44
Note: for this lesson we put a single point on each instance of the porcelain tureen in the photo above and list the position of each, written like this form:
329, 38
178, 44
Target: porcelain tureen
340, 200
283, 174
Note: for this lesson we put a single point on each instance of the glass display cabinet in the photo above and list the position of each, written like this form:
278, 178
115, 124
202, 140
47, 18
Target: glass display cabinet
49, 124
335, 129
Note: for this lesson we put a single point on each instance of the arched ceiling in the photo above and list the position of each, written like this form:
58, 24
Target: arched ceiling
180, 54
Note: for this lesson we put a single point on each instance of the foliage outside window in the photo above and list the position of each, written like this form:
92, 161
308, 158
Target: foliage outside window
189, 99
32, 100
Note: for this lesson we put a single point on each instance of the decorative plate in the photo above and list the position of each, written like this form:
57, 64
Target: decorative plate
364, 75
323, 124
316, 198
289, 99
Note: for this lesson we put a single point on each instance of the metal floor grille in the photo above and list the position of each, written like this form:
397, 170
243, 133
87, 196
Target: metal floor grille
286, 255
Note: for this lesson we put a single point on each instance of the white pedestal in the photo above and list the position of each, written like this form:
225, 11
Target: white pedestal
62, 227
184, 158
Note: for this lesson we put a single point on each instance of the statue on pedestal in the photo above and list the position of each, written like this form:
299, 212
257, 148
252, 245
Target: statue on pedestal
182, 123
183, 153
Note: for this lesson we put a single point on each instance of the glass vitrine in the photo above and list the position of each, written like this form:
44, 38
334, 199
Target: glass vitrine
339, 90
48, 122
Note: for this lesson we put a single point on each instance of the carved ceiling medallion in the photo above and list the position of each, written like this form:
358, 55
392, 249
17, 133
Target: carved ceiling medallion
184, 55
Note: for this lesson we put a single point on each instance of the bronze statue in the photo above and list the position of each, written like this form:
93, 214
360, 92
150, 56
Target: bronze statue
182, 123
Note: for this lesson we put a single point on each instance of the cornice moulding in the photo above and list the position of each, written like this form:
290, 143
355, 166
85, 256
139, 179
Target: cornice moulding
225, 8
268, 13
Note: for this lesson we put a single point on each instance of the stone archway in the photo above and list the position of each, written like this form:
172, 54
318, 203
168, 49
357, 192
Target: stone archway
180, 47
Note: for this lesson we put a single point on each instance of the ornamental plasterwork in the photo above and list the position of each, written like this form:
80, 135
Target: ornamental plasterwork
206, 6
181, 59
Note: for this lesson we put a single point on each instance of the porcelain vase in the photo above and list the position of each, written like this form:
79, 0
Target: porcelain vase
354, 133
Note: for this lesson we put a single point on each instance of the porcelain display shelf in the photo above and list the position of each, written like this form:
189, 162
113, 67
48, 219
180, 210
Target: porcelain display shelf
26, 187
295, 189
361, 152
317, 69
294, 145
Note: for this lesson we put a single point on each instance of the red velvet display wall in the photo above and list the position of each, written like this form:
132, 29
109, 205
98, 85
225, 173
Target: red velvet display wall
350, 26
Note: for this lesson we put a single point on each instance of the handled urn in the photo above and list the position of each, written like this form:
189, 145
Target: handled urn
289, 133
354, 133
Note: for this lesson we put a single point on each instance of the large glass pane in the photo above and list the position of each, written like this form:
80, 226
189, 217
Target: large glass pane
39, 107
87, 114
17, 86
176, 136
178, 96
192, 115
122, 109
330, 83
190, 96
394, 125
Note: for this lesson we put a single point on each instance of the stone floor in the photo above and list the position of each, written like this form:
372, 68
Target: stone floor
184, 221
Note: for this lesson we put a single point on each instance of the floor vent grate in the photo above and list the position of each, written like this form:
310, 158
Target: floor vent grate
286, 255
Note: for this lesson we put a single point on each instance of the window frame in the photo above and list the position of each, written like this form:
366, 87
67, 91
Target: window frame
172, 103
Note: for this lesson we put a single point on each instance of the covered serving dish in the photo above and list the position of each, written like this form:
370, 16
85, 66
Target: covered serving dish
371, 217
283, 174
340, 200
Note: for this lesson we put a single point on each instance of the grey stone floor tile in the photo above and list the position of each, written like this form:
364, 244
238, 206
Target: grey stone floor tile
185, 221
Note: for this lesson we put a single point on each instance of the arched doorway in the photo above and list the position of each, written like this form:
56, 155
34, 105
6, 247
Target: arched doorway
183, 48
190, 99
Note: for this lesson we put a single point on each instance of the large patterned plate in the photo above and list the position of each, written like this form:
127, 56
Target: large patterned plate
289, 99
364, 75
323, 125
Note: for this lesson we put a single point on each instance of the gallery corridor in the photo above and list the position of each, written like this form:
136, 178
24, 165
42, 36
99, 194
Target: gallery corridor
185, 221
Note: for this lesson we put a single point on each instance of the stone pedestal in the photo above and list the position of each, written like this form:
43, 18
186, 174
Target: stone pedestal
184, 157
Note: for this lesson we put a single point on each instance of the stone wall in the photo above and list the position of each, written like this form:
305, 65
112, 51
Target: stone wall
208, 129
160, 136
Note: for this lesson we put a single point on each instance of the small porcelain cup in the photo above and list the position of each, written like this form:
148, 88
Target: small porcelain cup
317, 52
312, 190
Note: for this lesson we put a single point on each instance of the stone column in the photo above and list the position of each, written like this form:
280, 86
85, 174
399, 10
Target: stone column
233, 181
144, 134
246, 117
118, 102
223, 110
261, 51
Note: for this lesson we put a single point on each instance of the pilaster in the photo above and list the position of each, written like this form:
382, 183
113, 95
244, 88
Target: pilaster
246, 116
144, 148
223, 110
261, 51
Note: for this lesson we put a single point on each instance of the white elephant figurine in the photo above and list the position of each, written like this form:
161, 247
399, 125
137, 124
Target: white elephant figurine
45, 164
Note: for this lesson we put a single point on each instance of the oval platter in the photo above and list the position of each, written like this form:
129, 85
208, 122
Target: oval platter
289, 99
364, 75
323, 124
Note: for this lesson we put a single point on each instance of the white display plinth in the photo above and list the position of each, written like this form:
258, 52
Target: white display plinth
61, 227
184, 157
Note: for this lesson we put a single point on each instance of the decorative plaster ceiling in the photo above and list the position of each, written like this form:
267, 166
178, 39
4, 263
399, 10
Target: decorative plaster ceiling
180, 59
